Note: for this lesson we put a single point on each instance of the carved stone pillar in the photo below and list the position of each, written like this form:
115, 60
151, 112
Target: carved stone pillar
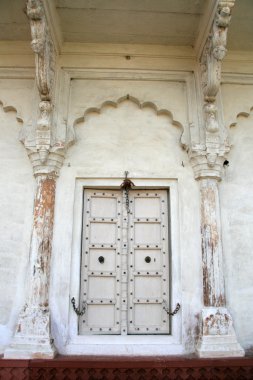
32, 338
217, 335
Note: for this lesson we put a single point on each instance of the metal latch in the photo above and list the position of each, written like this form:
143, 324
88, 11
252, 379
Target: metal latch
76, 309
127, 185
171, 313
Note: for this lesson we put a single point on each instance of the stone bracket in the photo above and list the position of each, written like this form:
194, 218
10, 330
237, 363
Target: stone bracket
213, 53
45, 57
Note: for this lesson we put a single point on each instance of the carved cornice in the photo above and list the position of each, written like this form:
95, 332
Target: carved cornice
42, 45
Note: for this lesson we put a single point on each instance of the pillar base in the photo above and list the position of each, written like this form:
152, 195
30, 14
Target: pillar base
30, 349
218, 338
32, 339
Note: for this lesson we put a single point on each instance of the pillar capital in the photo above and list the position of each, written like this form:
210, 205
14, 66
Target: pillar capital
207, 164
53, 163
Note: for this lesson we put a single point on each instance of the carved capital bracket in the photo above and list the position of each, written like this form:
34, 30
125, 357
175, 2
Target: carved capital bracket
208, 159
215, 50
45, 57
208, 163
55, 158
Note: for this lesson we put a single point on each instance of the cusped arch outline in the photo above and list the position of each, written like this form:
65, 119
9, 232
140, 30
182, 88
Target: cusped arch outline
133, 99
245, 114
7, 108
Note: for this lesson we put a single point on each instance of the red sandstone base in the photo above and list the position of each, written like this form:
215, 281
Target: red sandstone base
125, 368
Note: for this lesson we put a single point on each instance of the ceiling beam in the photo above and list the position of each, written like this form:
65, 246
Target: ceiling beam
205, 27
53, 21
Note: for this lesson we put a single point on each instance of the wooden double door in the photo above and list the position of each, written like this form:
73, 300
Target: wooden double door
125, 280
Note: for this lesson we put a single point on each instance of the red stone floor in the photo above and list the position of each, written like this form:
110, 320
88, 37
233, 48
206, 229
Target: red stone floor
126, 368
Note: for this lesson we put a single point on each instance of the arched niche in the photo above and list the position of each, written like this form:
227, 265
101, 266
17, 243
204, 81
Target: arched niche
127, 135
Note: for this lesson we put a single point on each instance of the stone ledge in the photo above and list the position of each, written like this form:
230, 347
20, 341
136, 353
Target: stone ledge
127, 368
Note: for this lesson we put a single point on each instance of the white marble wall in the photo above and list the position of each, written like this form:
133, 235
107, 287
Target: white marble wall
118, 136
16, 200
115, 138
237, 209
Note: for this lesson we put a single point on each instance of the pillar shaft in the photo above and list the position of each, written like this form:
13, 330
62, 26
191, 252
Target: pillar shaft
211, 245
32, 338
41, 242
217, 336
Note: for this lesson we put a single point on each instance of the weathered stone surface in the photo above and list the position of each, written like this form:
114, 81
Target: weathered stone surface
32, 338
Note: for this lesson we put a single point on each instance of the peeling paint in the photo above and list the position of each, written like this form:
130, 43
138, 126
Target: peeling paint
213, 282
217, 324
34, 320
43, 233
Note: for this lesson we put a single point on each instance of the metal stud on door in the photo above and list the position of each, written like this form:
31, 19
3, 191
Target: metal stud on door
148, 262
101, 261
125, 263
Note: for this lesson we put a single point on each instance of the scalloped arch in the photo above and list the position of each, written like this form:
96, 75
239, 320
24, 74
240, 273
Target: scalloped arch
242, 113
116, 103
8, 107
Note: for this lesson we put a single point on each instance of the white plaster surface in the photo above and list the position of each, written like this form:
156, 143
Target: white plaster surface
16, 199
237, 216
237, 99
148, 146
168, 95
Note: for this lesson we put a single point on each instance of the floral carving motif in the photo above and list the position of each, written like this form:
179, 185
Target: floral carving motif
43, 48
208, 157
215, 50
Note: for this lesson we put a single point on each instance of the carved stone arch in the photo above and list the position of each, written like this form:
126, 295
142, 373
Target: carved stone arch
23, 132
141, 105
244, 113
8, 107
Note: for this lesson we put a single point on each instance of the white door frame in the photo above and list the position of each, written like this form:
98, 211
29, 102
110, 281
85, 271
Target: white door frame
128, 344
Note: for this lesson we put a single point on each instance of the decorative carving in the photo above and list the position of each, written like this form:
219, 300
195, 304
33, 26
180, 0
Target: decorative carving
43, 132
32, 338
43, 48
219, 323
215, 50
211, 118
218, 337
207, 164
207, 159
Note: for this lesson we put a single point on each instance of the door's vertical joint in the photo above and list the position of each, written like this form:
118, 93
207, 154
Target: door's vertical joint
126, 208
